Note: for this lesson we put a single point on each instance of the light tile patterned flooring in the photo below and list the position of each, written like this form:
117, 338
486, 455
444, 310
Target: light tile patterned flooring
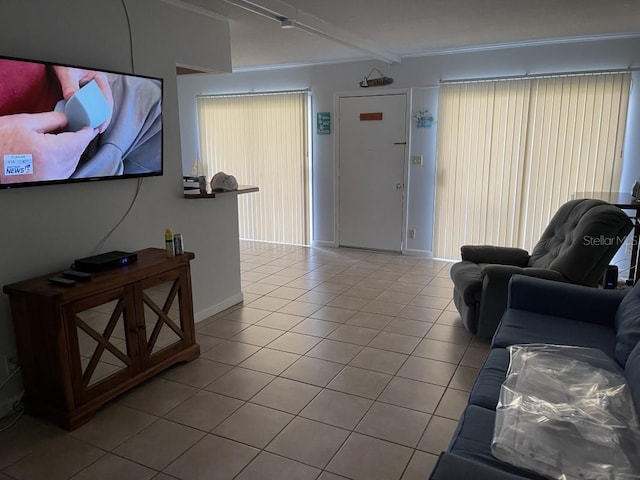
340, 364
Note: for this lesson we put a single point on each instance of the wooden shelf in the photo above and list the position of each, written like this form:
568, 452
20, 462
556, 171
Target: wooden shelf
241, 189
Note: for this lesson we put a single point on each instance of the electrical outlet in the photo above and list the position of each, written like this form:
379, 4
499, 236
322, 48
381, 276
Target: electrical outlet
412, 233
11, 362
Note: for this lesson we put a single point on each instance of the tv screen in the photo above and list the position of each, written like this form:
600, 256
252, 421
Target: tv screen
61, 124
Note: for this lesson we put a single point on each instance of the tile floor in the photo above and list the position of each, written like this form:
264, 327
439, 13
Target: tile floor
340, 364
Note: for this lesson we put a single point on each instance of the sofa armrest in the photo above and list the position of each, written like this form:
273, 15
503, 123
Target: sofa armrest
490, 254
495, 283
454, 467
574, 302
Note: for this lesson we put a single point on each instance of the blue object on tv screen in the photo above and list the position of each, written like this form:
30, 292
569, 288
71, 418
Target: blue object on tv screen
60, 124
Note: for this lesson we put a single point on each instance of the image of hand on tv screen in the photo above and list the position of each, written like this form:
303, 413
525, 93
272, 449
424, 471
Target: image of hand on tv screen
71, 79
59, 122
32, 152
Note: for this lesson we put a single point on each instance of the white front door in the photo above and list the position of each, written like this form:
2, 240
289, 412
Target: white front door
371, 171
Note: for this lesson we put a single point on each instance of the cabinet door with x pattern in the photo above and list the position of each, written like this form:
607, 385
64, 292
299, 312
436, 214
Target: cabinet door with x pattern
103, 342
165, 301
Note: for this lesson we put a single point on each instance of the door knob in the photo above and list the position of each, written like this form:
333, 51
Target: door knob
399, 186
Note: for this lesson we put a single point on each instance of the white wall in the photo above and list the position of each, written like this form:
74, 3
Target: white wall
422, 178
417, 73
631, 168
45, 228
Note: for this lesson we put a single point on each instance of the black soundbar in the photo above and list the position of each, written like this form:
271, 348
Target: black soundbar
104, 261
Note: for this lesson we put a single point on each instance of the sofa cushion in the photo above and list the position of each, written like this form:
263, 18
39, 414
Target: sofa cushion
452, 466
521, 326
632, 374
566, 412
628, 325
486, 389
473, 438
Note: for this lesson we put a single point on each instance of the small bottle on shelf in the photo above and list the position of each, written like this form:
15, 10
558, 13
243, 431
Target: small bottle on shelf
178, 244
168, 242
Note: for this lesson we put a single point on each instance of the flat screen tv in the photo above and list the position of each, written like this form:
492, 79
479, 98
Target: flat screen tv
61, 123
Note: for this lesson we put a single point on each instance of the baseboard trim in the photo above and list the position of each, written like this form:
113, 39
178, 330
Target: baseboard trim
419, 253
218, 307
322, 243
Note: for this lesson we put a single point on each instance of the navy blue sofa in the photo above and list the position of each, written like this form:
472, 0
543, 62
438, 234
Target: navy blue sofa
540, 311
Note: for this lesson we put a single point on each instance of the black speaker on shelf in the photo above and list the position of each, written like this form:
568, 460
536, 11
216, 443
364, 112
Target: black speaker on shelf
610, 278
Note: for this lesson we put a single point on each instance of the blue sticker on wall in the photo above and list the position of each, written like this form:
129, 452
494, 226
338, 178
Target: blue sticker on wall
324, 123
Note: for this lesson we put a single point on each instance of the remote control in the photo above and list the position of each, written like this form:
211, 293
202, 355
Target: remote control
77, 275
65, 282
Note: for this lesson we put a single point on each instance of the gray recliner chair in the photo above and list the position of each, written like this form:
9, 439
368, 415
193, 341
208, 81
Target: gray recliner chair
576, 247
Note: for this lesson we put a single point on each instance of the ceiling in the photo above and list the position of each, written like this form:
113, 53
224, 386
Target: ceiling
411, 27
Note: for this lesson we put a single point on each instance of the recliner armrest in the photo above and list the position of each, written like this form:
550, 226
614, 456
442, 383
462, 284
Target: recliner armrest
564, 300
491, 254
505, 272
493, 300
495, 283
455, 467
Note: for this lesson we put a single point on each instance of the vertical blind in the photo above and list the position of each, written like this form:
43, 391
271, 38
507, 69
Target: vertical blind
261, 139
510, 152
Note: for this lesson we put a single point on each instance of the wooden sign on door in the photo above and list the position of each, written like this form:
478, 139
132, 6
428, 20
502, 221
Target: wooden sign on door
364, 117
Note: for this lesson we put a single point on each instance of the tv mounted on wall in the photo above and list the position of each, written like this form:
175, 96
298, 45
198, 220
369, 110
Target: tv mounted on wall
61, 123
